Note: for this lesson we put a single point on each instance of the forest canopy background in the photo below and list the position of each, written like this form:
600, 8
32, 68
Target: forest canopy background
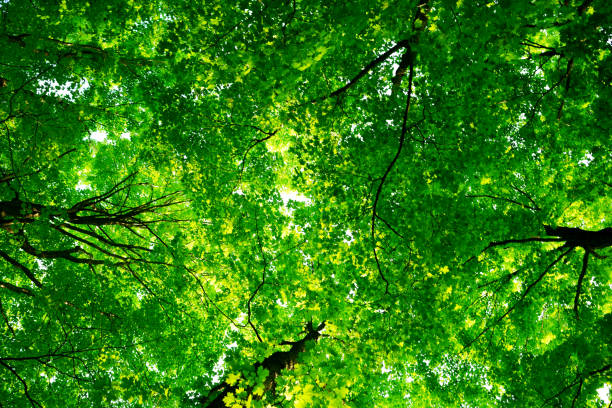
298, 203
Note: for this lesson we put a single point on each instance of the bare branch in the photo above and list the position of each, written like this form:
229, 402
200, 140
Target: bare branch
11, 176
253, 143
64, 254
102, 239
390, 227
420, 15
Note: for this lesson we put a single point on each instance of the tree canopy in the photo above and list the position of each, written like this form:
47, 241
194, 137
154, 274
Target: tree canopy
305, 203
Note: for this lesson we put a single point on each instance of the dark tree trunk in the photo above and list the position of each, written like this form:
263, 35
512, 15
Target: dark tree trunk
20, 211
274, 364
576, 237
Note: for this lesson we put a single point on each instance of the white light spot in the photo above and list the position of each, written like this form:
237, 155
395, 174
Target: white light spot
98, 135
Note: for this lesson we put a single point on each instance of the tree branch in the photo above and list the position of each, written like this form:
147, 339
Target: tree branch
577, 392
520, 241
22, 268
11, 176
384, 177
16, 289
535, 205
254, 143
33, 402
570, 65
508, 200
420, 15
390, 227
521, 298
6, 319
373, 64
260, 285
585, 263
275, 363
581, 378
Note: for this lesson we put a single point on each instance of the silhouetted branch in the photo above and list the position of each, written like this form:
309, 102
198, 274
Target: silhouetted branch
581, 377
585, 263
275, 363
373, 64
16, 289
260, 285
22, 268
521, 298
508, 200
387, 171
6, 319
26, 392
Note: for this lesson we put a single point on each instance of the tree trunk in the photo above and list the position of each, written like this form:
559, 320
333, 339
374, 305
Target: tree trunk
576, 237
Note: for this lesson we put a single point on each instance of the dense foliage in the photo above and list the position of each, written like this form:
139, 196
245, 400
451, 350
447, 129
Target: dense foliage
299, 203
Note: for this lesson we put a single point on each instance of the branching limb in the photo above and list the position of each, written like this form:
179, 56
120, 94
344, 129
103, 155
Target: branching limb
420, 16
520, 241
207, 297
260, 285
581, 377
102, 239
570, 65
546, 92
32, 401
146, 287
384, 177
373, 64
521, 298
508, 200
11, 176
98, 198
253, 143
514, 241
66, 254
390, 227
6, 319
577, 392
21, 267
503, 279
524, 193
16, 289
